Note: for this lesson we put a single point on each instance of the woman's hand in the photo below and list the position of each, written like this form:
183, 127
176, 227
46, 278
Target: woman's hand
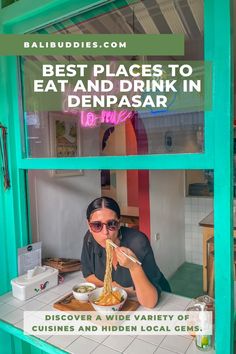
125, 261
145, 291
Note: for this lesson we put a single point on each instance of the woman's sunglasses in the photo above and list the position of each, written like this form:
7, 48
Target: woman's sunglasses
111, 225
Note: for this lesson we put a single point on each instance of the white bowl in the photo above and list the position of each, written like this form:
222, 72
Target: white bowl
95, 295
82, 297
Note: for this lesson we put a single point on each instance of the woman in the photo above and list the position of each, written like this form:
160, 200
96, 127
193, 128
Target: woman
145, 281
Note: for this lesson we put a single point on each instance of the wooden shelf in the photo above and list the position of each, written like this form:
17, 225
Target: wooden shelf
130, 221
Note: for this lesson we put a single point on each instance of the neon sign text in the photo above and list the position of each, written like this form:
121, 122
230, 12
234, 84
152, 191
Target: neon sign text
92, 119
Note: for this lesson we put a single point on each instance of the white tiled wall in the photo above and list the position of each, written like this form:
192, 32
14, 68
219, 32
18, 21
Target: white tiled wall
196, 209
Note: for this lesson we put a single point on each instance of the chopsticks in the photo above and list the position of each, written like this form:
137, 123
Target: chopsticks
130, 257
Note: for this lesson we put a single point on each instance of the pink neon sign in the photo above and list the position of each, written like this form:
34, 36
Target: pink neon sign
92, 119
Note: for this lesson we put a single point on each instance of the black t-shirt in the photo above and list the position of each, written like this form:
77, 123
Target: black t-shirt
93, 259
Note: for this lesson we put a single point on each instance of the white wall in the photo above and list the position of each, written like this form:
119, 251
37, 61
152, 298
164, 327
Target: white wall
58, 211
167, 219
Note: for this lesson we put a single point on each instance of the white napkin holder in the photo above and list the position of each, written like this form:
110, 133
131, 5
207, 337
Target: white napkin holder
34, 282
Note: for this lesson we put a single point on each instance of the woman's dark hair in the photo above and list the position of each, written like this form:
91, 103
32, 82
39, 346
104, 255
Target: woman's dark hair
103, 202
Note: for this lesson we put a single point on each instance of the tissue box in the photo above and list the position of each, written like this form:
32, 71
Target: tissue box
34, 282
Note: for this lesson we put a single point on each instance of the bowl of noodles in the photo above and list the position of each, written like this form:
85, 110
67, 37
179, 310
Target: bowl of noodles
104, 301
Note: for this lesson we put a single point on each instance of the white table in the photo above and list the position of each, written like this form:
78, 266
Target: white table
11, 311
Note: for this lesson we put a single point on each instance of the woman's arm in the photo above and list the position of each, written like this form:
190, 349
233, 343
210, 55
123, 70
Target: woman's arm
146, 292
93, 279
130, 290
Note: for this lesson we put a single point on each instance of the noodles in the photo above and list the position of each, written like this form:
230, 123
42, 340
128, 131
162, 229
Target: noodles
108, 273
108, 296
109, 299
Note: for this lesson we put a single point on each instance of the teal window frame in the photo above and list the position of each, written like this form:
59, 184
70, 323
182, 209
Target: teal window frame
26, 15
